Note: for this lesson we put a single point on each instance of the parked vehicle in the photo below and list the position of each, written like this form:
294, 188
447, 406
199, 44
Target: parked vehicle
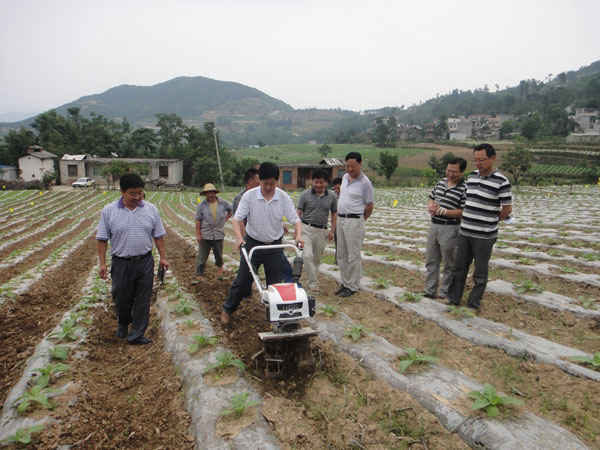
84, 182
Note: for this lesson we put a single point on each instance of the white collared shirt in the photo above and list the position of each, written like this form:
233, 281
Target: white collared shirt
265, 218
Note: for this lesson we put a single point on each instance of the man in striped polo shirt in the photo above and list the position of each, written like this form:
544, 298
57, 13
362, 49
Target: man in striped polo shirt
489, 200
446, 203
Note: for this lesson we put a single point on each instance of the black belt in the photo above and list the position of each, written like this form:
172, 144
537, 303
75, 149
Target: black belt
133, 258
445, 222
277, 241
322, 227
350, 216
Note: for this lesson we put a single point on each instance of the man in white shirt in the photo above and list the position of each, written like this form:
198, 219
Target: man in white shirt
264, 208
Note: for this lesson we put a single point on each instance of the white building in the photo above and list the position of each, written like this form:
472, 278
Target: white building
8, 173
35, 163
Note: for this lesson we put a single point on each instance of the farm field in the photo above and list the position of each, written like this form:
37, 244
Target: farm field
541, 309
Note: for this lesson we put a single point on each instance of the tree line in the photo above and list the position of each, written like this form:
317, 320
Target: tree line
101, 137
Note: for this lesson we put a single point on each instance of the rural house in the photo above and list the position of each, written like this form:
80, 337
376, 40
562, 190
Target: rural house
297, 176
35, 163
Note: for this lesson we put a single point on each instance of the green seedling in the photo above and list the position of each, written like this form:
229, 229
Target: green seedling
59, 352
201, 341
594, 360
224, 360
68, 330
567, 269
501, 244
460, 311
490, 400
330, 310
528, 286
526, 261
414, 358
411, 297
590, 256
552, 252
46, 373
239, 403
23, 436
382, 283
355, 332
37, 394
587, 303
183, 307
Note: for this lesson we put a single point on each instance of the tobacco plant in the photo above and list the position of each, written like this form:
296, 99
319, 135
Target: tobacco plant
46, 373
37, 394
528, 286
23, 436
239, 403
382, 283
183, 307
594, 360
460, 311
414, 358
587, 303
68, 330
59, 352
490, 400
224, 360
330, 310
411, 297
355, 332
201, 341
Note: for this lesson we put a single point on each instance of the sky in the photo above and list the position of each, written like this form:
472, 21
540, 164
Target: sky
345, 54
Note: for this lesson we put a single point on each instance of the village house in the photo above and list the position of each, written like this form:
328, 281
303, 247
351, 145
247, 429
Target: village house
168, 171
459, 128
588, 127
35, 163
298, 176
8, 173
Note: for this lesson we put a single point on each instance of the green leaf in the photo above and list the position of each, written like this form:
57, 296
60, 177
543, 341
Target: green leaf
475, 395
403, 365
489, 391
239, 364
479, 403
492, 411
596, 359
43, 380
427, 358
509, 401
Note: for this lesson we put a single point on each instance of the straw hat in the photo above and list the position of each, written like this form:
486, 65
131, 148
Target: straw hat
209, 187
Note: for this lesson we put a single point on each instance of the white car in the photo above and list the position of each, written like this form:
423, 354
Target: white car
84, 182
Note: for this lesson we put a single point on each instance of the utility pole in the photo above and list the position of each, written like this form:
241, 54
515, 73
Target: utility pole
218, 158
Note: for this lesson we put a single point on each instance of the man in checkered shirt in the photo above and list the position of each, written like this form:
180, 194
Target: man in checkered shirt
130, 224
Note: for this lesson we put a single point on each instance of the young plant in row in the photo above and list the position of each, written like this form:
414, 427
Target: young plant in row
59, 352
183, 307
411, 297
45, 373
68, 330
355, 332
460, 311
239, 403
412, 357
330, 310
37, 394
23, 436
382, 283
225, 360
201, 341
490, 400
528, 286
587, 303
594, 360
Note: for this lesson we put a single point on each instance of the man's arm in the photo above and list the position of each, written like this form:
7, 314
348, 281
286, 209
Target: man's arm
368, 211
199, 230
238, 225
333, 223
298, 234
505, 212
299, 212
160, 245
102, 247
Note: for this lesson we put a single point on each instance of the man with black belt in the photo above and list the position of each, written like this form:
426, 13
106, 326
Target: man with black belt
446, 203
264, 208
354, 208
130, 224
489, 200
313, 208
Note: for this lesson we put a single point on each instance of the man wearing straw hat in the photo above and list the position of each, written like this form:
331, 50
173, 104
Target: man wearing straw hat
211, 215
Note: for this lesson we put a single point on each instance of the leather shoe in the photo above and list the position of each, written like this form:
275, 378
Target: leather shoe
141, 341
121, 331
347, 292
340, 290
225, 318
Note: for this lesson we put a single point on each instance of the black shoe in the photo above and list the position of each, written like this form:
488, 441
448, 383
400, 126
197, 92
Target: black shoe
347, 293
121, 331
141, 341
340, 290
431, 296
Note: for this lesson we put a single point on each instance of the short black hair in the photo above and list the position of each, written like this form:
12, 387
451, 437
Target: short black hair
249, 174
489, 150
268, 170
462, 163
354, 155
130, 180
337, 180
319, 173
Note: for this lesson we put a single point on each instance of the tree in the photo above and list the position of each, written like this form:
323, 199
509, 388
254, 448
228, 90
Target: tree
441, 129
506, 128
530, 126
325, 150
115, 169
440, 165
381, 132
171, 133
144, 139
517, 161
15, 144
388, 163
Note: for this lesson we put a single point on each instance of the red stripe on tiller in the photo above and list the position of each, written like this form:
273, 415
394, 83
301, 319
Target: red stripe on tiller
286, 291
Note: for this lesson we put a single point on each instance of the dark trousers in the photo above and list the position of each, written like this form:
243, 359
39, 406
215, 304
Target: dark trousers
469, 249
132, 290
271, 259
204, 248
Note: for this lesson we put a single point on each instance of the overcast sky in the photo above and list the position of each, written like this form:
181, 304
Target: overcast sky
349, 54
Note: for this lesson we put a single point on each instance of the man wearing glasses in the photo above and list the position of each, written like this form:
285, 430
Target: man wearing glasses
446, 203
489, 200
